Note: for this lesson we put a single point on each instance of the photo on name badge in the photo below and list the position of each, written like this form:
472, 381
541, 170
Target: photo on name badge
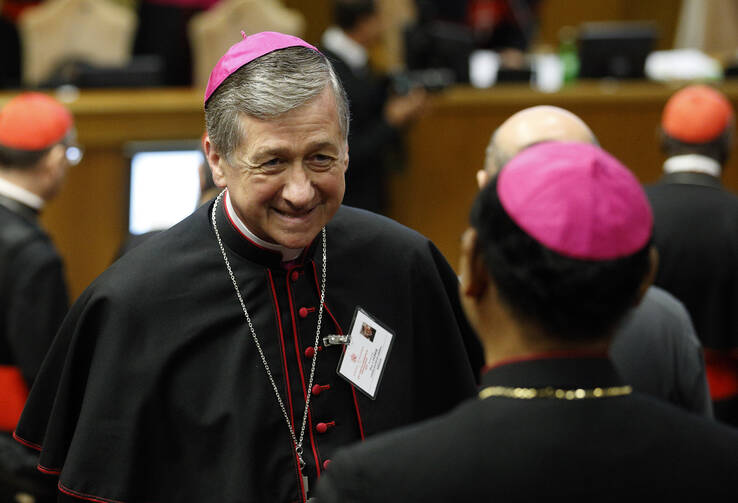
368, 331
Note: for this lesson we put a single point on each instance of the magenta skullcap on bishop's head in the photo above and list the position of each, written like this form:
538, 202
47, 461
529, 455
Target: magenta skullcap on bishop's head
577, 200
250, 48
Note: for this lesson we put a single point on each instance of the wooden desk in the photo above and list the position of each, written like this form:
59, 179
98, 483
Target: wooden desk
432, 195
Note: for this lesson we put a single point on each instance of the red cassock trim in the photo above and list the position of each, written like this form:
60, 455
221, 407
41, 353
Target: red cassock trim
281, 342
13, 395
48, 471
25, 442
302, 375
39, 467
230, 219
721, 370
286, 375
358, 414
86, 497
340, 332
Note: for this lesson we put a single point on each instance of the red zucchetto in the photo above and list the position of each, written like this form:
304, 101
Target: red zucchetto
696, 114
33, 121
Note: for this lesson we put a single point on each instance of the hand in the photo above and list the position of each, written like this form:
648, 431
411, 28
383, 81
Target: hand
400, 110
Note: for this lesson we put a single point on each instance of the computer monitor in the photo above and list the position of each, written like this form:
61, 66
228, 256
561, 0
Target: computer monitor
164, 183
615, 49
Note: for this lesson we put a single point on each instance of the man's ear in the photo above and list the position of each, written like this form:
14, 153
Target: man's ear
49, 172
53, 164
57, 154
346, 160
215, 161
650, 276
482, 178
474, 279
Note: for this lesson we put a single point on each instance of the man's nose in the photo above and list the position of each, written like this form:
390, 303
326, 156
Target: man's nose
298, 189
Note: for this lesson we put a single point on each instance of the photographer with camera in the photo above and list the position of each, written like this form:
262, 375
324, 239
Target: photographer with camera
377, 114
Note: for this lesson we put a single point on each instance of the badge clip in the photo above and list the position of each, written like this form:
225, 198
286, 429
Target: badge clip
336, 340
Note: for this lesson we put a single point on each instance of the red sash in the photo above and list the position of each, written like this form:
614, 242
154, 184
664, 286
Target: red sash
13, 395
721, 369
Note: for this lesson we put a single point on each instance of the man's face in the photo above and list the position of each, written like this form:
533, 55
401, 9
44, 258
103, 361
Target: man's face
287, 177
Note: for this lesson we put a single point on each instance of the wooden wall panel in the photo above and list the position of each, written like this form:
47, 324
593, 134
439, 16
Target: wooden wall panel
557, 13
318, 16
87, 221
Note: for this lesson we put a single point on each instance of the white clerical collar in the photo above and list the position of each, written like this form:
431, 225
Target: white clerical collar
287, 253
335, 39
694, 163
17, 193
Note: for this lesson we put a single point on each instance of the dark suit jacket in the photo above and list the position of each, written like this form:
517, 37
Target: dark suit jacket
657, 351
696, 232
503, 449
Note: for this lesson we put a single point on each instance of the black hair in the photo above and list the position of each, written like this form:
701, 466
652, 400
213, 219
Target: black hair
348, 13
717, 149
570, 299
207, 177
20, 159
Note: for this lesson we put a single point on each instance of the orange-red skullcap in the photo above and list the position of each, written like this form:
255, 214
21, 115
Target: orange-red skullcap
33, 121
696, 114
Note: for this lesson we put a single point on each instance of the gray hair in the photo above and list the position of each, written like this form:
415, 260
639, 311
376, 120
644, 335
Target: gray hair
268, 87
11, 158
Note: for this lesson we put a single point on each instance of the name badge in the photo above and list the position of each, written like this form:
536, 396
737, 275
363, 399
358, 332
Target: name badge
365, 356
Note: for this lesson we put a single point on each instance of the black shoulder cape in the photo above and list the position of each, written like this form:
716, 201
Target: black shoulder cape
154, 391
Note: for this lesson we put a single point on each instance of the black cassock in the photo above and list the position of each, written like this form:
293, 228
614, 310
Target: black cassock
33, 292
154, 390
696, 233
502, 449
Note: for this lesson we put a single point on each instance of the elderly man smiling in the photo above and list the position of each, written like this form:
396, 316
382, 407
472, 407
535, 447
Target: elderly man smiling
222, 359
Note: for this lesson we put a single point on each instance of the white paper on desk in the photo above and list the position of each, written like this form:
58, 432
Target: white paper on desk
682, 64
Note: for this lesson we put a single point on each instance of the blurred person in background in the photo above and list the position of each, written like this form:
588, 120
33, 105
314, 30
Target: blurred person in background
377, 115
445, 34
696, 231
10, 41
503, 25
655, 349
162, 31
37, 146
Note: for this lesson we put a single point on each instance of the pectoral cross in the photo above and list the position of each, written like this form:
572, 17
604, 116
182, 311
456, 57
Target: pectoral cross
305, 486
